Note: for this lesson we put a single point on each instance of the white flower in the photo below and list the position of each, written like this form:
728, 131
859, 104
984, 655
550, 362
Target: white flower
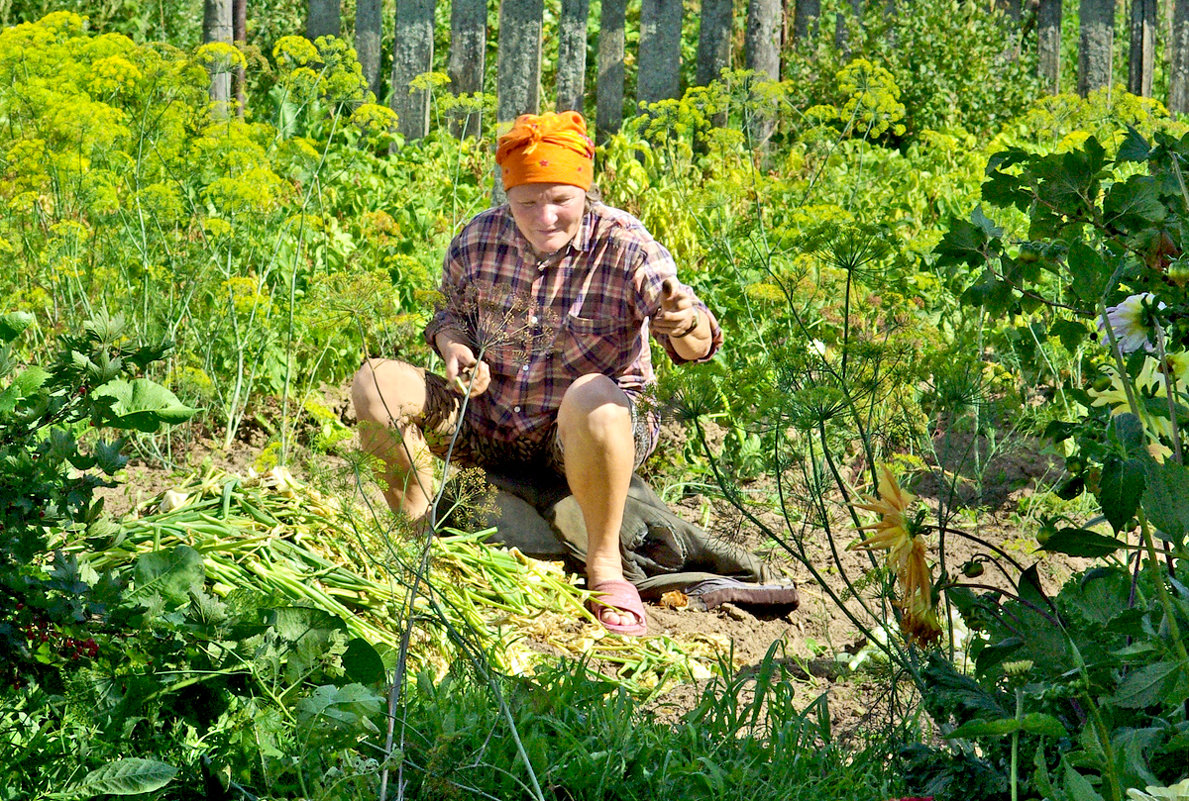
1127, 321
1178, 792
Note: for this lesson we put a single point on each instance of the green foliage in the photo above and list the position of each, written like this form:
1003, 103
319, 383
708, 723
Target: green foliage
51, 462
584, 739
1100, 688
1104, 664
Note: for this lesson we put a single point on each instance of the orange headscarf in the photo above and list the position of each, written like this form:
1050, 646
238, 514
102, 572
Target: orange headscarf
546, 149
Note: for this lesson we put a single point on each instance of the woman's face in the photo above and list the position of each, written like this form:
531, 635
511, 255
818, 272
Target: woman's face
547, 214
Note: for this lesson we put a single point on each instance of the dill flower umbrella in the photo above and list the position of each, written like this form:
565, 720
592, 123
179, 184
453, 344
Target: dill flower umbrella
900, 536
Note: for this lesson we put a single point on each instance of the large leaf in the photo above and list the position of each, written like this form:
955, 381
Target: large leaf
171, 574
13, 324
26, 383
349, 705
1121, 488
1134, 203
1149, 685
1089, 270
142, 405
362, 663
1166, 498
1082, 542
130, 776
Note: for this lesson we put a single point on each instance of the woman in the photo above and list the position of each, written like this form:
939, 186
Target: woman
548, 301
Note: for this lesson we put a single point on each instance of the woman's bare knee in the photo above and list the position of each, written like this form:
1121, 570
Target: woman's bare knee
386, 390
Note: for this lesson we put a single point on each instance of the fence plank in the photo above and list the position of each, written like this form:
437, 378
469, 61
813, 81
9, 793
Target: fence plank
609, 90
519, 65
1048, 44
1142, 54
369, 25
412, 55
468, 56
571, 55
217, 26
659, 58
1096, 22
762, 54
714, 40
324, 18
1178, 77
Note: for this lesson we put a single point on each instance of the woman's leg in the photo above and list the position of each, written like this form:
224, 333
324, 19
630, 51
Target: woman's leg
595, 428
387, 394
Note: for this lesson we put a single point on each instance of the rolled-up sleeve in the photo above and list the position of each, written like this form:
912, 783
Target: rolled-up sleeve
443, 319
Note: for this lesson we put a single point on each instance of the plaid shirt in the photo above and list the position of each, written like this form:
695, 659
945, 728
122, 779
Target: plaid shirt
547, 322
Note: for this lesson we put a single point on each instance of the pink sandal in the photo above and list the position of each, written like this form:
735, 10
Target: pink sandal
620, 596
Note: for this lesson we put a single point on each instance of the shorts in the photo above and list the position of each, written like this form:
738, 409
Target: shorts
443, 409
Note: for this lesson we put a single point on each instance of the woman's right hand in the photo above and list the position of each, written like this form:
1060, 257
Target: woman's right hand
464, 373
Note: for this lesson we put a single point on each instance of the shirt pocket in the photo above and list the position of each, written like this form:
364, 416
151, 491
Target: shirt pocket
595, 345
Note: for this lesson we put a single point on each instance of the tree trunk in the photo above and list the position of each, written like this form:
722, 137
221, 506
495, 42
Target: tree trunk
468, 57
609, 89
805, 18
761, 47
571, 55
658, 60
1142, 54
412, 55
369, 26
218, 26
519, 65
325, 19
714, 40
239, 30
1096, 20
1178, 78
1048, 44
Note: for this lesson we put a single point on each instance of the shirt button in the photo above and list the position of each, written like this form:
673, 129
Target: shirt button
524, 369
516, 408
533, 319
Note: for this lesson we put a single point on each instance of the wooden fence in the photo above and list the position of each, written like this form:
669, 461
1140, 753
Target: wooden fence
658, 55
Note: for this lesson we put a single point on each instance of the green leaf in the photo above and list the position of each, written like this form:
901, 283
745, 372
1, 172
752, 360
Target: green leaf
1042, 724
984, 728
1032, 723
1134, 147
26, 383
1166, 498
172, 574
1121, 488
1082, 542
1071, 333
1078, 786
1149, 685
1090, 272
350, 705
1133, 204
142, 405
130, 776
1128, 431
362, 663
963, 244
13, 324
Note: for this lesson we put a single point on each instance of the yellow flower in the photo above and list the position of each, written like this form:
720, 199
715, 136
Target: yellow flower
896, 534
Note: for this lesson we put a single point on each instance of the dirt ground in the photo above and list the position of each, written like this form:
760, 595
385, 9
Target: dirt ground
816, 641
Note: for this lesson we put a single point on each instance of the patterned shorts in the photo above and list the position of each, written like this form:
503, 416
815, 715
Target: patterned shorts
443, 408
